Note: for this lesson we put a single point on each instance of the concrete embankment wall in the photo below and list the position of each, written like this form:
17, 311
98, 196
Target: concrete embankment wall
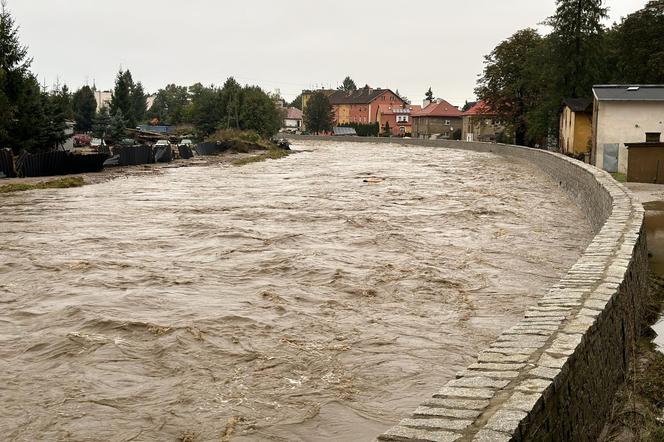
552, 376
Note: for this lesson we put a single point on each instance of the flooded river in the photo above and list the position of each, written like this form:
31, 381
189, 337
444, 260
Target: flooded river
319, 297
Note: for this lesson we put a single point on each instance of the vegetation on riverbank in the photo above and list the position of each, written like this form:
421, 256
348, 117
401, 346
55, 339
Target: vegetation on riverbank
242, 141
637, 407
620, 177
61, 183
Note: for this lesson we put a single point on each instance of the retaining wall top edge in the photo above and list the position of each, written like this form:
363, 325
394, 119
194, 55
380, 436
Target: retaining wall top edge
519, 370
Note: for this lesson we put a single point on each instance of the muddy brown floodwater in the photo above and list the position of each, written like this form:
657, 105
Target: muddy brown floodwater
319, 297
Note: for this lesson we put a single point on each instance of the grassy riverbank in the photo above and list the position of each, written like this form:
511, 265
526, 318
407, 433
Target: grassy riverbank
638, 405
60, 183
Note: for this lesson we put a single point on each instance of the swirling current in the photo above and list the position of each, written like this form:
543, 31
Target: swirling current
319, 297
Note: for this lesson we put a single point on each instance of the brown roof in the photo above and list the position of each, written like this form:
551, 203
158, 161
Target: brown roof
579, 104
440, 108
294, 114
363, 95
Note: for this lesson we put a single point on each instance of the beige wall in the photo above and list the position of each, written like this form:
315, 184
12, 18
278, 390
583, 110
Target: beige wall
575, 131
480, 128
624, 122
426, 126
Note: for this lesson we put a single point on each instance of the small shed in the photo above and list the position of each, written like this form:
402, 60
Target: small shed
645, 162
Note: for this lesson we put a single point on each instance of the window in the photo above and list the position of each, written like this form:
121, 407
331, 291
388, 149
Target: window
653, 137
447, 122
402, 129
402, 118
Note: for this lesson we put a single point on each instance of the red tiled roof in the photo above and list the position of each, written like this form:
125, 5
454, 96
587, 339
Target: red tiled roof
294, 114
438, 109
480, 108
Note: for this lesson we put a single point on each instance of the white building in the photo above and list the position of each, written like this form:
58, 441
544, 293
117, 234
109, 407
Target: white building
624, 114
103, 99
293, 118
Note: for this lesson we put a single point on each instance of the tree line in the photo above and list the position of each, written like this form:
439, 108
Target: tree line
34, 118
209, 108
527, 76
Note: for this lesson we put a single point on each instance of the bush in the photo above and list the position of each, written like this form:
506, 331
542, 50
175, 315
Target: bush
364, 130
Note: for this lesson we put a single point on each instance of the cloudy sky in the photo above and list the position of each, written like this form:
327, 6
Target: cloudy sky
288, 45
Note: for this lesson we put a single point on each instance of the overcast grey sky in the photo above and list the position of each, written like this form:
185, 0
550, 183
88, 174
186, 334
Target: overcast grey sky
290, 44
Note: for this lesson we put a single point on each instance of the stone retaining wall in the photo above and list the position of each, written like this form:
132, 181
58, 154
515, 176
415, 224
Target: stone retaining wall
551, 377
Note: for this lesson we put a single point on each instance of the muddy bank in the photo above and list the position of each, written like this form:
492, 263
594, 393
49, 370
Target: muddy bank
315, 297
110, 173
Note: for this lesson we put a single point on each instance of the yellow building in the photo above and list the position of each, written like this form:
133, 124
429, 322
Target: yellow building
342, 113
576, 128
306, 96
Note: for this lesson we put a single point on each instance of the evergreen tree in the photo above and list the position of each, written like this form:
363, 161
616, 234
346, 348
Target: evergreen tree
117, 127
84, 106
122, 100
17, 87
576, 42
297, 102
429, 95
348, 85
102, 123
139, 103
318, 116
57, 110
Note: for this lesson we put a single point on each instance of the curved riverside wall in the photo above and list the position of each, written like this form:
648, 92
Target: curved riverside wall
551, 377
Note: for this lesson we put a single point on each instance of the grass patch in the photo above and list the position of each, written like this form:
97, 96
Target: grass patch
620, 177
61, 183
272, 154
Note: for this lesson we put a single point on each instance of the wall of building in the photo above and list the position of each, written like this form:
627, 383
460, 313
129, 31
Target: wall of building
566, 131
583, 132
427, 126
624, 122
553, 375
480, 128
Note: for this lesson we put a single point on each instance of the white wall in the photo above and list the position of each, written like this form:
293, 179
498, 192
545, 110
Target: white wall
626, 122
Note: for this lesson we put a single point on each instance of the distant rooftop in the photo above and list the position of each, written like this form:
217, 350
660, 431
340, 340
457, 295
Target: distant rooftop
629, 92
439, 108
479, 108
294, 113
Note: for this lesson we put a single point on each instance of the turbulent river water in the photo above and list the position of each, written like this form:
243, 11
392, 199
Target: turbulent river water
318, 297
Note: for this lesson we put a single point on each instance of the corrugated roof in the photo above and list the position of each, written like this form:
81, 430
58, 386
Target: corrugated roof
440, 108
579, 104
629, 92
344, 131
